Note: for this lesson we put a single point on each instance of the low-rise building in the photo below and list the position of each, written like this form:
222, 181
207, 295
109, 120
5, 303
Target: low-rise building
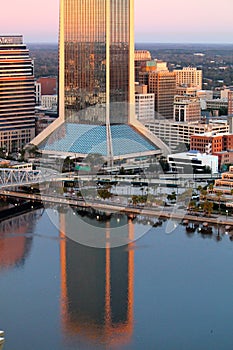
186, 109
217, 104
185, 90
225, 184
224, 158
204, 95
49, 102
176, 133
192, 161
211, 142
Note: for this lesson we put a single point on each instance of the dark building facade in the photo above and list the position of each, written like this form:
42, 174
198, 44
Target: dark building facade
17, 94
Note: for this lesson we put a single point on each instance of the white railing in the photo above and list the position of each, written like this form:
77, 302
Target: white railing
14, 177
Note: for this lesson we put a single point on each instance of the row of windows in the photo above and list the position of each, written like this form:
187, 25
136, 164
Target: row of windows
187, 161
12, 100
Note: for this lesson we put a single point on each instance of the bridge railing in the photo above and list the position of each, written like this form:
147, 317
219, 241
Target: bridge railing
13, 177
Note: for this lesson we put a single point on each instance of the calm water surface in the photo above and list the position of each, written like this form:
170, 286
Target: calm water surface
163, 292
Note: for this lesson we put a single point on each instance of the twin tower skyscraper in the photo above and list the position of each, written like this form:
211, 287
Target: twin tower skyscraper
96, 79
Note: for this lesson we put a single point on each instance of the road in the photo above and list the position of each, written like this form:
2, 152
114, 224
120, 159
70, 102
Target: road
163, 212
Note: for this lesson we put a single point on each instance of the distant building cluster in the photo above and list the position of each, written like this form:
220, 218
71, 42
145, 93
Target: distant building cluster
184, 113
171, 105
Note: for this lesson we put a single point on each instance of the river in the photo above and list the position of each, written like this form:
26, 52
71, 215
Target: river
167, 290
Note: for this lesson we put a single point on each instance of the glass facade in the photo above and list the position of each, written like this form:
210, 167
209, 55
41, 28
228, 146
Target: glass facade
96, 59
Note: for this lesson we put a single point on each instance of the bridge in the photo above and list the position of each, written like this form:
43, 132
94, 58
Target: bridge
10, 177
16, 177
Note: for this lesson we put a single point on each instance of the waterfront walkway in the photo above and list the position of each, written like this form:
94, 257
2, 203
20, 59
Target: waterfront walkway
113, 207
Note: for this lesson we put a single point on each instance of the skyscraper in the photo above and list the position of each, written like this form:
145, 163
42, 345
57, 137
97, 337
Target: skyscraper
17, 94
97, 48
96, 82
163, 85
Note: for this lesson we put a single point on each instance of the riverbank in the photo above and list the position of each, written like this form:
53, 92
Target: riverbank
111, 207
19, 209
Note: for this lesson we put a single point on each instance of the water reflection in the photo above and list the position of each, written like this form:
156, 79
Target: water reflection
14, 244
97, 284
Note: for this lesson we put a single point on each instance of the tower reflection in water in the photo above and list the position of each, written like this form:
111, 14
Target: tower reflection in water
97, 286
14, 245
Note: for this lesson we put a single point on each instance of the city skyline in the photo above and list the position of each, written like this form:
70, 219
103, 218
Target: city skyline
167, 22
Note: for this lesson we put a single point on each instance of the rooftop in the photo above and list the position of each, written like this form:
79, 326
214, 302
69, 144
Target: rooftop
85, 139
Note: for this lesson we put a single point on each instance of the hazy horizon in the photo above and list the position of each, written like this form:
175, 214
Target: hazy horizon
145, 42
164, 22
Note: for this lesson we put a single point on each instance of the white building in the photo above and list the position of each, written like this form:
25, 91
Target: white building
144, 106
38, 93
176, 133
192, 160
49, 102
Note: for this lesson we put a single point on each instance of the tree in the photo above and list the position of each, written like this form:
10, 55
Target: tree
164, 164
191, 205
210, 188
134, 199
68, 164
171, 197
22, 155
203, 194
208, 207
207, 169
104, 193
32, 151
219, 198
122, 171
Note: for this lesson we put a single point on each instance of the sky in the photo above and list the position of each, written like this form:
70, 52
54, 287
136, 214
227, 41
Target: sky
200, 21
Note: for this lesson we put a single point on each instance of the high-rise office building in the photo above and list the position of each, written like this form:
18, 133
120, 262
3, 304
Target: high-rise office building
17, 94
96, 82
189, 76
163, 85
144, 103
140, 57
97, 49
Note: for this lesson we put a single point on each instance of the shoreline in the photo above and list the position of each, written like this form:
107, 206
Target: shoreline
175, 214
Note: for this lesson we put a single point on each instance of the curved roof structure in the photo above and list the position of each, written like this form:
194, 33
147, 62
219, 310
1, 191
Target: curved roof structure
85, 139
